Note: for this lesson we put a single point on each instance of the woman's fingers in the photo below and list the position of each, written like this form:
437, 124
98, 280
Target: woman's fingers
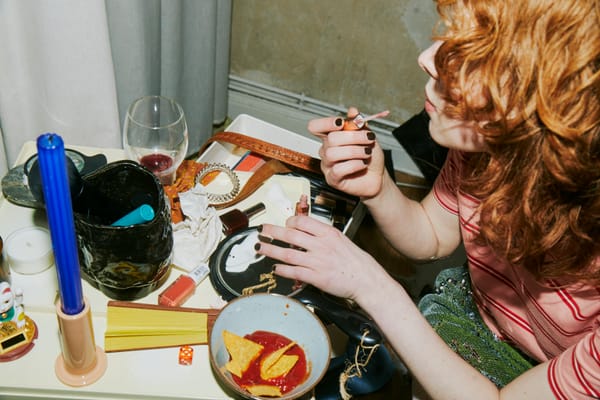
319, 254
308, 248
307, 236
343, 146
352, 112
335, 153
293, 272
345, 138
305, 232
287, 255
322, 126
314, 228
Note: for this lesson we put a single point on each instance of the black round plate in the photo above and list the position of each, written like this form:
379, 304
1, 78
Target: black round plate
231, 284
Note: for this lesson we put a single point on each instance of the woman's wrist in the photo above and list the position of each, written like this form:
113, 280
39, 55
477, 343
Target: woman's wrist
374, 200
380, 285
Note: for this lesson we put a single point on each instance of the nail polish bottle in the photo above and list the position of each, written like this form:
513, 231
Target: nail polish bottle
236, 219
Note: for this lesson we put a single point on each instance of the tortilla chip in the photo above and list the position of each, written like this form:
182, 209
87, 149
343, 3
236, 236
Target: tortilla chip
264, 390
267, 363
242, 352
281, 367
272, 358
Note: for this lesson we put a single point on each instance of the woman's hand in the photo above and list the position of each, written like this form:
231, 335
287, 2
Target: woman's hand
352, 160
320, 255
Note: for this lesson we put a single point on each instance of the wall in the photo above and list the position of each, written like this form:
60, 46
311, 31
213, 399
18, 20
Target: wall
343, 52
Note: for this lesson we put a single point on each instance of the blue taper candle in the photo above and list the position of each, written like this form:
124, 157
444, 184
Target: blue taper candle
59, 210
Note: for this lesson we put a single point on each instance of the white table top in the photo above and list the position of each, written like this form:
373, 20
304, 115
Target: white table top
141, 374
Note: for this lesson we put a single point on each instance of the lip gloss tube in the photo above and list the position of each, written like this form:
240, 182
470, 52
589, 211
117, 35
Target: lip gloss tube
183, 288
302, 206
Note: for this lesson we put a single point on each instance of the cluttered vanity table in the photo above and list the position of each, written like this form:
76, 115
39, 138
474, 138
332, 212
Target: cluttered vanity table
137, 374
154, 373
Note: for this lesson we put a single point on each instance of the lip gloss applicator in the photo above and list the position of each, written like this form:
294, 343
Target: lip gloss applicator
360, 120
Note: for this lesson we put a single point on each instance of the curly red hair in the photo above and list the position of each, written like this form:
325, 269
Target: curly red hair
528, 72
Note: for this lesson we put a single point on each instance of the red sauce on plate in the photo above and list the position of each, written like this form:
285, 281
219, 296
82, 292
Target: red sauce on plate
273, 341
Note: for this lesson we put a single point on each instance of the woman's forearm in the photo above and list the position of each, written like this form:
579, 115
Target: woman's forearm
413, 228
441, 372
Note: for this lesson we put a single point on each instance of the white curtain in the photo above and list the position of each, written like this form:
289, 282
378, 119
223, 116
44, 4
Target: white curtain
72, 67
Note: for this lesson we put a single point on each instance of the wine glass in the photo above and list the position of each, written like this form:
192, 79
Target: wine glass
155, 134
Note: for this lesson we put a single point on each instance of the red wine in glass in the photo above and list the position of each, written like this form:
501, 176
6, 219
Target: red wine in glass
156, 162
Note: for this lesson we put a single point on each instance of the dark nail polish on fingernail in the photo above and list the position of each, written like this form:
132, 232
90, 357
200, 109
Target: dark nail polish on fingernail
365, 161
370, 135
339, 121
368, 150
257, 247
265, 239
259, 228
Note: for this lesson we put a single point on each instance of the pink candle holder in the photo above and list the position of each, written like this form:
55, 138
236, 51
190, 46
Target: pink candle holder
81, 362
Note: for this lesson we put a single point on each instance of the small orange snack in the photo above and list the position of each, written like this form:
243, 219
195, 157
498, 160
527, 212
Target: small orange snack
273, 364
186, 355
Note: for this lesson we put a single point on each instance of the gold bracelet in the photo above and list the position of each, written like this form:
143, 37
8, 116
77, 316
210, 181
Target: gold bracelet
218, 198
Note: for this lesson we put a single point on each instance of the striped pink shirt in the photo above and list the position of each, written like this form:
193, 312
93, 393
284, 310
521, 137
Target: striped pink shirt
540, 318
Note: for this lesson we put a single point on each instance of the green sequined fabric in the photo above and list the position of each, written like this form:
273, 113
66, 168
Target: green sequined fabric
452, 313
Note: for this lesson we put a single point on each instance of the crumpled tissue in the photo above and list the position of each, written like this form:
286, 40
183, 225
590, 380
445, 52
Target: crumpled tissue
197, 236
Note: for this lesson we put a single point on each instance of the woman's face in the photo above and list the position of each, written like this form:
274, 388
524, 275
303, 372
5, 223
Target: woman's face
448, 132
